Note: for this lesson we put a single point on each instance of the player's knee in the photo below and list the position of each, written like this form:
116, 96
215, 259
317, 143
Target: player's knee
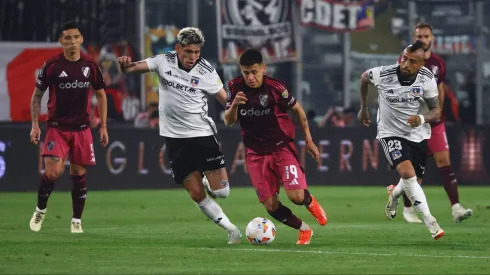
53, 174
297, 198
442, 162
223, 192
197, 195
271, 205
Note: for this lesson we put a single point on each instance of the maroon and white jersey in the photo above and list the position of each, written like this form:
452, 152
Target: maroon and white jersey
264, 119
69, 85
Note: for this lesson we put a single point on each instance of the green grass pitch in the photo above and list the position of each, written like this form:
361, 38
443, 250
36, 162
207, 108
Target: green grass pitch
162, 231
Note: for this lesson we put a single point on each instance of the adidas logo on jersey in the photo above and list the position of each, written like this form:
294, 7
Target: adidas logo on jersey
390, 91
63, 74
169, 73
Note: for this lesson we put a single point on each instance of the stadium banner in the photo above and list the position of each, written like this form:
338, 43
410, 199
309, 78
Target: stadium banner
136, 159
337, 15
263, 25
21, 62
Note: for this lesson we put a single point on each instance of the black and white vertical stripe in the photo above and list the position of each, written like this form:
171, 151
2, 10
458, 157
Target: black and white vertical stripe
386, 150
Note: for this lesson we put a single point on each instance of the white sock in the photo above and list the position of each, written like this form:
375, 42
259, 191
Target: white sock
76, 220
417, 196
304, 227
213, 211
398, 190
456, 207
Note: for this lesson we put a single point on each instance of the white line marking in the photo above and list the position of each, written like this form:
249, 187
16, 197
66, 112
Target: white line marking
344, 252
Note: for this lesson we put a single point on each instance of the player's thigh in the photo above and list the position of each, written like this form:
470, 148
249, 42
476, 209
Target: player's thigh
263, 178
290, 173
419, 157
181, 158
54, 167
438, 140
211, 161
55, 151
398, 153
82, 148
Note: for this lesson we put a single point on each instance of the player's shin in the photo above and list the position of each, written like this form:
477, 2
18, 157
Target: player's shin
286, 216
213, 211
46, 186
450, 183
416, 194
78, 195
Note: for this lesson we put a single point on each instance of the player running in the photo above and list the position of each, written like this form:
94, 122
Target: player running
185, 81
261, 104
408, 101
69, 77
437, 144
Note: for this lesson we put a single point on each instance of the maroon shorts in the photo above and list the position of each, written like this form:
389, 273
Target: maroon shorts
269, 171
76, 144
438, 139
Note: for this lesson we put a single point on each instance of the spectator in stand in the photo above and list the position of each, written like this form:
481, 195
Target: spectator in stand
143, 119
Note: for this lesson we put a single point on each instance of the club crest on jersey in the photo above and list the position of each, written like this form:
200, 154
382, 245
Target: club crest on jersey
285, 94
86, 71
263, 100
194, 81
396, 155
50, 145
416, 92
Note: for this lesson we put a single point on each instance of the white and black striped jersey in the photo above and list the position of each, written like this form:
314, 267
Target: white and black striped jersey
398, 100
183, 101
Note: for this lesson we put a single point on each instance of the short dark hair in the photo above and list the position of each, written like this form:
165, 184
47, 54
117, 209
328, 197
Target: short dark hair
415, 46
155, 114
250, 57
424, 25
69, 26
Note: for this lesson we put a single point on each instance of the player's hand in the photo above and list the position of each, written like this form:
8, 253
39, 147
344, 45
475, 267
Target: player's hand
313, 150
240, 99
104, 137
363, 116
35, 134
125, 61
414, 121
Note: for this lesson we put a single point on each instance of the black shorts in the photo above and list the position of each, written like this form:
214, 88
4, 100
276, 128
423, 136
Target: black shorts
187, 155
398, 149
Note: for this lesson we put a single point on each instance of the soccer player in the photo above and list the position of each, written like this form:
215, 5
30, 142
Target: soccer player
69, 78
186, 79
437, 144
408, 101
261, 104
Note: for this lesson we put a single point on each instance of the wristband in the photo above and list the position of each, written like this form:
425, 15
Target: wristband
422, 119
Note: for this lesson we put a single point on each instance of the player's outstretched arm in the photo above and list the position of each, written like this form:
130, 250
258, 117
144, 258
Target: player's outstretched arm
221, 96
129, 67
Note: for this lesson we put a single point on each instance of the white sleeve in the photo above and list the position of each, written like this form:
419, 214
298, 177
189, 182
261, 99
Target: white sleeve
373, 74
212, 83
155, 63
431, 90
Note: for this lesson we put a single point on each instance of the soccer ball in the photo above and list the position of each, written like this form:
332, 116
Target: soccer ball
260, 231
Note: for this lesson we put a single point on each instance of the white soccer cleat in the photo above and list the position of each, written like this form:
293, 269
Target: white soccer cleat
435, 230
460, 213
234, 236
76, 227
37, 219
410, 215
392, 205
205, 182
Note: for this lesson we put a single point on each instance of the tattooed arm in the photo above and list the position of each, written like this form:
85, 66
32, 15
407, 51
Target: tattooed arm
434, 113
36, 106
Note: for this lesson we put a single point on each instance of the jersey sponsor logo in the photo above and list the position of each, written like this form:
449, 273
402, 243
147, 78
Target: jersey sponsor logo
254, 112
74, 85
263, 100
400, 100
179, 87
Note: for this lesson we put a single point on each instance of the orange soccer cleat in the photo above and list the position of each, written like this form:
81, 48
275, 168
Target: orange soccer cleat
317, 211
305, 236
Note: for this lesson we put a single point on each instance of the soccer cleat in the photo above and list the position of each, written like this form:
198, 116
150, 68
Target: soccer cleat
234, 236
317, 211
76, 227
207, 187
37, 219
435, 230
460, 213
392, 205
410, 215
305, 236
